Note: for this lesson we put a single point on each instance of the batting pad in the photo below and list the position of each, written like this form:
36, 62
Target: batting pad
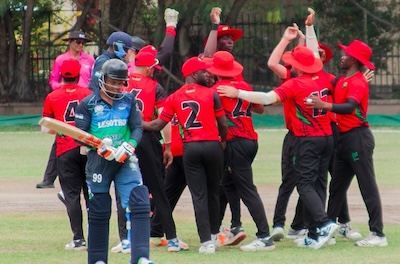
139, 203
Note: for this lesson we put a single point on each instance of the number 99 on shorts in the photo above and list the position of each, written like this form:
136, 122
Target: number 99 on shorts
98, 178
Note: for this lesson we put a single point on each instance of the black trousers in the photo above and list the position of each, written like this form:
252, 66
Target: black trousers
149, 153
287, 186
289, 182
228, 194
354, 156
175, 184
204, 162
72, 177
240, 154
50, 174
312, 156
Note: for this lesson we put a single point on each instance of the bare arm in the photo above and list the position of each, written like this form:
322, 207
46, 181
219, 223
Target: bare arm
155, 125
274, 59
211, 45
259, 109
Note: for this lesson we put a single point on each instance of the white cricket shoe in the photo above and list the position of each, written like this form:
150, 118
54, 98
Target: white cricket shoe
346, 231
295, 234
277, 234
122, 247
260, 244
373, 240
207, 247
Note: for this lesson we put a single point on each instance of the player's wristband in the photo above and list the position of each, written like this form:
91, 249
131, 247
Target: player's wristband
214, 26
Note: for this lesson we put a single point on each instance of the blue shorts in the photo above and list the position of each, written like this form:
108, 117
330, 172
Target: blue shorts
101, 172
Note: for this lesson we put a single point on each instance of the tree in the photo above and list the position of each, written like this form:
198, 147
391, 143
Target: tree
17, 20
374, 22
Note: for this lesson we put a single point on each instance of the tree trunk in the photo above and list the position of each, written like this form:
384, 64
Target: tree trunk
80, 23
105, 16
235, 11
4, 60
8, 56
130, 8
21, 87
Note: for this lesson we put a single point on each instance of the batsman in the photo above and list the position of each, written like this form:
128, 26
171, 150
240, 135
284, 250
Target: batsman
113, 116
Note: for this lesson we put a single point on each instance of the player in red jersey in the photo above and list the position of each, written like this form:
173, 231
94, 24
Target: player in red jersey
60, 104
199, 113
223, 38
297, 228
356, 141
241, 147
313, 143
325, 53
76, 42
150, 97
288, 177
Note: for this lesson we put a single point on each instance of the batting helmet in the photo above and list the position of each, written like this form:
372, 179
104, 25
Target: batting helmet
115, 69
137, 43
120, 37
121, 42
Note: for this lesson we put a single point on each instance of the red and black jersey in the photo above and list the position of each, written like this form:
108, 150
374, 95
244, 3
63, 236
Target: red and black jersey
196, 108
60, 104
288, 104
149, 94
321, 77
176, 137
238, 112
353, 87
306, 121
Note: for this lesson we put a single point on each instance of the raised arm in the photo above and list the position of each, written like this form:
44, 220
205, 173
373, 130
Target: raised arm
311, 37
167, 46
273, 61
211, 45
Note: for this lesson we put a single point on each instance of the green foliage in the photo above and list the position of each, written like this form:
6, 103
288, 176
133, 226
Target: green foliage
40, 16
201, 9
149, 15
341, 21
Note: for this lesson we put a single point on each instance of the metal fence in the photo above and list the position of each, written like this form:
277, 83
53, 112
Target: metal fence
253, 51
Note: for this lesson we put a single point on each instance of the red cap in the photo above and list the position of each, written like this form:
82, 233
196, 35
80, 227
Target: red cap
70, 68
153, 51
359, 50
224, 30
225, 65
149, 48
146, 59
302, 58
193, 65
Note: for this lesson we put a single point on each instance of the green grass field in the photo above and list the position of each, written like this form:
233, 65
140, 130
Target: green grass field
38, 234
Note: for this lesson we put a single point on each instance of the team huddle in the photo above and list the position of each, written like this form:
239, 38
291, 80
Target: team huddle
202, 136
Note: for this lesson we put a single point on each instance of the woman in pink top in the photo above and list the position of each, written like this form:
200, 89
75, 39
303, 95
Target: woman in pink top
76, 41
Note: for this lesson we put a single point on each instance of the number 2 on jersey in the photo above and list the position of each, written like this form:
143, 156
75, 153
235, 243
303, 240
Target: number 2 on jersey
191, 121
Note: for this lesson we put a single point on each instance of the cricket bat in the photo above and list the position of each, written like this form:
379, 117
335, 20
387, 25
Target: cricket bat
71, 131
75, 133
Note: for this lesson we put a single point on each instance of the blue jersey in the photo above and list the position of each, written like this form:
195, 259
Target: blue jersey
120, 121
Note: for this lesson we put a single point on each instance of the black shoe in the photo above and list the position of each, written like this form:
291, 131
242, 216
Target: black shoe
43, 185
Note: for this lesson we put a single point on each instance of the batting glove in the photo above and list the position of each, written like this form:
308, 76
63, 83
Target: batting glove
171, 17
124, 152
106, 150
